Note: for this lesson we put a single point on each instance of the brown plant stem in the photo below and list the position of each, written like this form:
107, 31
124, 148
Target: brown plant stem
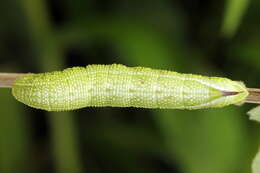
254, 95
7, 79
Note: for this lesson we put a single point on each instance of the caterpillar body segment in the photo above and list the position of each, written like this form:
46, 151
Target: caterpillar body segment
121, 86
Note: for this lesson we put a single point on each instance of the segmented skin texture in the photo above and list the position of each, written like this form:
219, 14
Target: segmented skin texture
120, 86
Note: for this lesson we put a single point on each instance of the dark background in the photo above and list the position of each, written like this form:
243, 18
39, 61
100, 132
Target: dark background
210, 37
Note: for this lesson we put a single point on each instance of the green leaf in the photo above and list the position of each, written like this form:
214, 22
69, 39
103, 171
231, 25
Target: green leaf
256, 162
254, 114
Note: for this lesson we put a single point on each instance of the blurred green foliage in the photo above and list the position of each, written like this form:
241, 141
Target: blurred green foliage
235, 10
254, 114
256, 163
38, 36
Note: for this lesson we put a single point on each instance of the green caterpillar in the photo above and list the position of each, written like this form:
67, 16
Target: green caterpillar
120, 86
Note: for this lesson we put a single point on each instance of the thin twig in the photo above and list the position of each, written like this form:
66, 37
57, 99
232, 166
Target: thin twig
254, 95
7, 80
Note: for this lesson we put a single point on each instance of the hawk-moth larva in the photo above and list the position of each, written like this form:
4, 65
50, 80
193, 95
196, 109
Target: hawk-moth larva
120, 86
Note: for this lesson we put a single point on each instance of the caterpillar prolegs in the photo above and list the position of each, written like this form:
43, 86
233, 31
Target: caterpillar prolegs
121, 86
